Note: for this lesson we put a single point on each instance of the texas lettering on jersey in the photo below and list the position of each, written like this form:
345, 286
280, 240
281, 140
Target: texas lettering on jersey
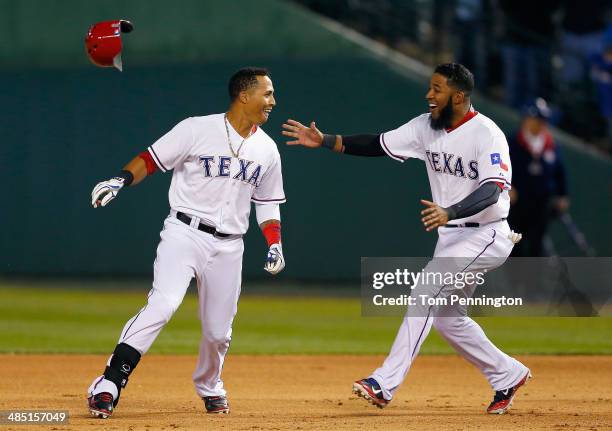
211, 183
452, 165
458, 161
220, 167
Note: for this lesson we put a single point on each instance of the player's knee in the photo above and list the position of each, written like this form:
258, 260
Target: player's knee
171, 307
165, 306
447, 324
214, 336
439, 324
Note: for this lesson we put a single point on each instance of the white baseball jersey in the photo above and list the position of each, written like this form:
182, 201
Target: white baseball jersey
458, 161
208, 181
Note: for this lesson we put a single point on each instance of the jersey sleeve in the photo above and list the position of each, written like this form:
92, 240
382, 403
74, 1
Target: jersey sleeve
494, 162
404, 142
270, 188
171, 149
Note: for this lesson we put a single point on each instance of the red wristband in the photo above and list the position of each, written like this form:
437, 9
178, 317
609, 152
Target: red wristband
146, 157
272, 232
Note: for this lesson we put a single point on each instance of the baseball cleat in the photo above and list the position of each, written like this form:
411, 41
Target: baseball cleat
502, 401
216, 404
370, 390
101, 405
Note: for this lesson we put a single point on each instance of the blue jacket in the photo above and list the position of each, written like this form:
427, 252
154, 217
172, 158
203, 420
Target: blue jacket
537, 177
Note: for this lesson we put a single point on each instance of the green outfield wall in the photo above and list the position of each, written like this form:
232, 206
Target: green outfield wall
50, 33
64, 128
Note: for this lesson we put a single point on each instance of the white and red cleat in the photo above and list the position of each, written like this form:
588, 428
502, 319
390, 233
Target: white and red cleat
370, 390
502, 400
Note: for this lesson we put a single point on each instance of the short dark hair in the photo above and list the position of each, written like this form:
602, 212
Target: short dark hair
458, 76
244, 79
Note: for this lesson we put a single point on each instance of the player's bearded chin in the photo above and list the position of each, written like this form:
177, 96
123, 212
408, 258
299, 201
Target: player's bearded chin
444, 120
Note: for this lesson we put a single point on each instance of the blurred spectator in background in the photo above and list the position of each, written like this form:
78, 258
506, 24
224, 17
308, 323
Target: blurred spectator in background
515, 43
601, 71
469, 34
539, 189
529, 33
582, 31
581, 34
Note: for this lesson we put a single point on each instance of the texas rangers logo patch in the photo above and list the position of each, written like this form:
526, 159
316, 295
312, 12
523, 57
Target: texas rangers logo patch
497, 160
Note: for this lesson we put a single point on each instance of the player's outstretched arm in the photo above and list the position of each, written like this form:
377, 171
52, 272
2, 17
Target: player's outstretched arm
366, 145
132, 173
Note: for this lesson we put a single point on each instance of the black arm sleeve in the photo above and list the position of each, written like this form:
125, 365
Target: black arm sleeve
484, 196
363, 145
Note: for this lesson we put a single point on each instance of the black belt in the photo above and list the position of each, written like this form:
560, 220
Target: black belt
203, 227
471, 224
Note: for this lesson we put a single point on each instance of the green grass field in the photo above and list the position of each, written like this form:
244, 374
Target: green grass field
59, 320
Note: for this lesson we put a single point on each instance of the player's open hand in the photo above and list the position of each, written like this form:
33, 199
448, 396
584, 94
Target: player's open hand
310, 137
433, 216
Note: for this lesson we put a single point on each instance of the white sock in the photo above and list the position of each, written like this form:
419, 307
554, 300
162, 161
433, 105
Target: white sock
105, 386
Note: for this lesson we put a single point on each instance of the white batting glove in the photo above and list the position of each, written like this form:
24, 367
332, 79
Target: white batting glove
275, 261
515, 236
106, 191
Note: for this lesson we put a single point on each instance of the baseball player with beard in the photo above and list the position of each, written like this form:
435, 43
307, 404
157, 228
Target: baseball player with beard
469, 172
221, 163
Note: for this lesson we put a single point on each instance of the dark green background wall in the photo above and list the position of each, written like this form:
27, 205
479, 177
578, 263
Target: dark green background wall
66, 128
50, 33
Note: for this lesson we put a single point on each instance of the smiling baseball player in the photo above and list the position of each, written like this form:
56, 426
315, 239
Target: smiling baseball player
221, 163
469, 172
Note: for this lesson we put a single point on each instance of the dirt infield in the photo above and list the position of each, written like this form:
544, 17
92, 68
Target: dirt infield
312, 393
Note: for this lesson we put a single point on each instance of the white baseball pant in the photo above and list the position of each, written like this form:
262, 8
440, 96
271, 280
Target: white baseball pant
459, 250
184, 253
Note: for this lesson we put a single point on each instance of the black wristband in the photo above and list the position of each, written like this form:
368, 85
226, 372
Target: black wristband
329, 141
452, 214
128, 177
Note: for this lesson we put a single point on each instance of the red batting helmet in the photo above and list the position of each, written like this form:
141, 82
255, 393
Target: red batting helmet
103, 42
